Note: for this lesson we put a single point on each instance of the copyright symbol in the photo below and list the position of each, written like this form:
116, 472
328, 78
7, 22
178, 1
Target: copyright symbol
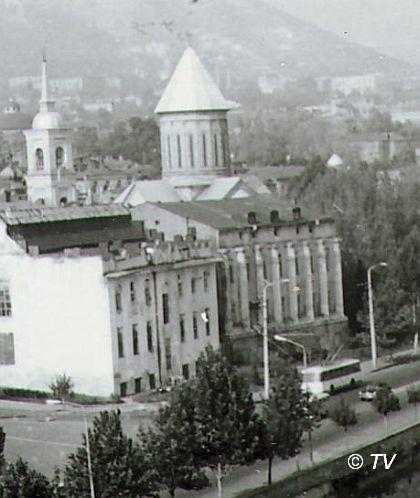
355, 461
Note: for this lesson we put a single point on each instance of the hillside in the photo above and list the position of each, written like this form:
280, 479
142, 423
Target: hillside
238, 40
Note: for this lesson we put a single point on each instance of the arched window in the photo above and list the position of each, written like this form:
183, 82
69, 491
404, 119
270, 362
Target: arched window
106, 186
192, 151
59, 156
39, 158
63, 201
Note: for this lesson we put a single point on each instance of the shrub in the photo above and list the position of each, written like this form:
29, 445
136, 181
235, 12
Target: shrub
62, 387
14, 392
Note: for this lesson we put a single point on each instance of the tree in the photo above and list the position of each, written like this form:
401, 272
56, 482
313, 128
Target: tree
386, 401
228, 429
413, 394
19, 481
119, 467
172, 444
343, 415
286, 416
2, 441
62, 387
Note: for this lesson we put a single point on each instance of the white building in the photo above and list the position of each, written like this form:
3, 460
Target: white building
82, 293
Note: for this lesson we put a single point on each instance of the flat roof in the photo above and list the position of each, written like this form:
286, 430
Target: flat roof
43, 214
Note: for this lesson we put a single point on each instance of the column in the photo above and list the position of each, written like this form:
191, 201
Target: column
323, 278
228, 295
307, 279
276, 279
260, 281
338, 280
291, 274
243, 287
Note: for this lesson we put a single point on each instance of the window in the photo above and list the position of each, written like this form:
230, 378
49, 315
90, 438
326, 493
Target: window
297, 266
180, 290
165, 307
206, 280
123, 389
182, 328
120, 342
118, 300
280, 266
7, 349
186, 371
106, 185
59, 156
94, 187
192, 151
207, 320
152, 381
149, 337
168, 353
135, 334
39, 159
147, 295
193, 285
231, 274
5, 301
169, 152
195, 325
216, 155
137, 385
178, 142
204, 150
132, 292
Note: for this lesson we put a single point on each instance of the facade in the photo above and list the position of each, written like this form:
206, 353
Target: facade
82, 292
194, 142
262, 239
49, 153
383, 147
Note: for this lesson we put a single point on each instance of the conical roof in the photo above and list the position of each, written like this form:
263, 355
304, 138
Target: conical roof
191, 88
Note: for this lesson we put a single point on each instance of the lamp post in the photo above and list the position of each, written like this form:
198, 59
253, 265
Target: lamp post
266, 354
266, 358
89, 458
371, 315
281, 338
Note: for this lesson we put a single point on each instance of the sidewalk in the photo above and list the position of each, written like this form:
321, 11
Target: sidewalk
327, 441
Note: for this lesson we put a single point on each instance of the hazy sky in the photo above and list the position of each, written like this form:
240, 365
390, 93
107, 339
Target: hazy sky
391, 26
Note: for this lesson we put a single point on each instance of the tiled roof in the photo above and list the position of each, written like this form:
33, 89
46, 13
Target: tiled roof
32, 215
147, 191
191, 88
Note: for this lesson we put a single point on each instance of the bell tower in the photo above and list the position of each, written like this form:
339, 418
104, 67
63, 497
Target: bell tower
193, 123
49, 153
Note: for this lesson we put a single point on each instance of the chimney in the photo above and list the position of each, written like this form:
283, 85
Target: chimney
297, 214
274, 217
252, 218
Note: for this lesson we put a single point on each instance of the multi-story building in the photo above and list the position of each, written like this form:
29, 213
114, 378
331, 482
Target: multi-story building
263, 239
82, 292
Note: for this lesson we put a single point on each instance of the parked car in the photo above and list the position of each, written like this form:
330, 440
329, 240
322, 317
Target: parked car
368, 393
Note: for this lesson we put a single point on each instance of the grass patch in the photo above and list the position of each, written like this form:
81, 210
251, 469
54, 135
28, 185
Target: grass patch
18, 394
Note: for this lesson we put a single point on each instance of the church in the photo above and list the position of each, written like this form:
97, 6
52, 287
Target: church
194, 143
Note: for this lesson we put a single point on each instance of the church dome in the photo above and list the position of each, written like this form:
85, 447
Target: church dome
47, 120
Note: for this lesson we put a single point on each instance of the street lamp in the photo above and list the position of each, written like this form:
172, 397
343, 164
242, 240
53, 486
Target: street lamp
266, 356
281, 338
89, 459
371, 316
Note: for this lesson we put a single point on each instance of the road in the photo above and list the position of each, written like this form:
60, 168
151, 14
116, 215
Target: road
45, 435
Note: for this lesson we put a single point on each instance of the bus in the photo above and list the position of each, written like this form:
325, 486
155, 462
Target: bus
321, 379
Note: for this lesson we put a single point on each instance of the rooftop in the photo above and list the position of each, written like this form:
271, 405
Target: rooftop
33, 215
191, 88
233, 213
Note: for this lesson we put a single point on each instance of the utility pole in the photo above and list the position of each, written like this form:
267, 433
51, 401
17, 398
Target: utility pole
374, 352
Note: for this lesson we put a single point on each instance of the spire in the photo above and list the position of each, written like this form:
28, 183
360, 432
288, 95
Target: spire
191, 88
45, 104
